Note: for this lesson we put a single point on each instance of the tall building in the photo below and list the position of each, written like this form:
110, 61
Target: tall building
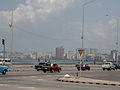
91, 51
60, 52
90, 54
70, 55
114, 55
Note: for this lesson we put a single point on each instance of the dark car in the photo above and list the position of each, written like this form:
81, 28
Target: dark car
83, 67
117, 66
41, 64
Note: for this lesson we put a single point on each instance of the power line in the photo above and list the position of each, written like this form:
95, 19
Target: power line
40, 35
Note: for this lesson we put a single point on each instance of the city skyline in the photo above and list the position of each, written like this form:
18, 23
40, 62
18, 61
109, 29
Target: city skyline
42, 25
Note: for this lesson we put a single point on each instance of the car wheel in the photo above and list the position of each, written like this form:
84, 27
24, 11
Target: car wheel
38, 70
114, 69
109, 69
89, 69
59, 71
44, 71
78, 68
51, 71
4, 72
103, 69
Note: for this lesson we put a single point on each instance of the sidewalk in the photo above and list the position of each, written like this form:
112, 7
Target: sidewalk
88, 81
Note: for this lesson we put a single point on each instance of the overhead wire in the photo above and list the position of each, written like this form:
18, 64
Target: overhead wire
40, 35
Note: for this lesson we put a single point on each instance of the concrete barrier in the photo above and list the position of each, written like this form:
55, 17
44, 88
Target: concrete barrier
89, 81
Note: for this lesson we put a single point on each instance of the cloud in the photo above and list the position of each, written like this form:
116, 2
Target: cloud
34, 9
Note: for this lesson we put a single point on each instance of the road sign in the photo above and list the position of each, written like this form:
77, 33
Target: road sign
80, 51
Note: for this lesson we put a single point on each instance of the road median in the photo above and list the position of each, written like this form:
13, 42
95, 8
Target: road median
88, 81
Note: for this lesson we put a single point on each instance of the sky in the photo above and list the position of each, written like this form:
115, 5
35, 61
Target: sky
43, 25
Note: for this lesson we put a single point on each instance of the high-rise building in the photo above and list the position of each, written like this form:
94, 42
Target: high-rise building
90, 54
91, 51
70, 55
60, 52
114, 55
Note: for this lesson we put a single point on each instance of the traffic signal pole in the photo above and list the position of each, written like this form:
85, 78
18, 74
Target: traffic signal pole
3, 43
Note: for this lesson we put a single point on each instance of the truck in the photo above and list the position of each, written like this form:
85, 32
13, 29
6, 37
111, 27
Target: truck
108, 65
3, 69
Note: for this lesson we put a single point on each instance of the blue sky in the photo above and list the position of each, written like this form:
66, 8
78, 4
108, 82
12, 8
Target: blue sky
43, 25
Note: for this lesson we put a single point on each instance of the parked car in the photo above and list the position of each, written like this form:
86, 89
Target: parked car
83, 67
117, 66
39, 66
52, 68
3, 69
108, 65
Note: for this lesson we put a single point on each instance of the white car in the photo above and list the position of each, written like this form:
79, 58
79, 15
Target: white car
108, 66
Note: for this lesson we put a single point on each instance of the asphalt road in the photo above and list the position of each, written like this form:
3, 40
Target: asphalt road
33, 80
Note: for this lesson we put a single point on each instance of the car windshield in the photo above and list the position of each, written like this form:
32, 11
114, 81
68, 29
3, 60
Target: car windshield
42, 63
107, 63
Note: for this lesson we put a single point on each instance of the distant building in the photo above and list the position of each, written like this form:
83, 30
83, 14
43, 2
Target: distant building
90, 54
91, 51
60, 52
70, 55
114, 55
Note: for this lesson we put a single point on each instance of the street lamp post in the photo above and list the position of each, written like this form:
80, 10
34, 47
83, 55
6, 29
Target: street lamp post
83, 23
82, 37
83, 17
117, 36
117, 22
11, 27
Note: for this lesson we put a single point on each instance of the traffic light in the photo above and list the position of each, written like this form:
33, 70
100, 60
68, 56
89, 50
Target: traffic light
3, 41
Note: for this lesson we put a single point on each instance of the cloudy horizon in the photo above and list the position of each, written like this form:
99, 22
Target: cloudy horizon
43, 25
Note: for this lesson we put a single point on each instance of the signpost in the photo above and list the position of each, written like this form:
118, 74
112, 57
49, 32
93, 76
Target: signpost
81, 55
80, 51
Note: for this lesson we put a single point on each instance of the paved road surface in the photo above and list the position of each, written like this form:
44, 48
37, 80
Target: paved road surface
33, 80
44, 82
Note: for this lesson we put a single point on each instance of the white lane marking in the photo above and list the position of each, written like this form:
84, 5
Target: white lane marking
26, 87
39, 79
4, 85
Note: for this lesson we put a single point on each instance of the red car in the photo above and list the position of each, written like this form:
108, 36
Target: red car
83, 67
52, 68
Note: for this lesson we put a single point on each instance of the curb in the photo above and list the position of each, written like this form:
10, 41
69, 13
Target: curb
87, 82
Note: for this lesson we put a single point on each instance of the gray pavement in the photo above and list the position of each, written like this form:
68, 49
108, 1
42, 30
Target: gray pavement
24, 77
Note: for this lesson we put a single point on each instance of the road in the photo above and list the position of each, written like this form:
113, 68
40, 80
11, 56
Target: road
33, 80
